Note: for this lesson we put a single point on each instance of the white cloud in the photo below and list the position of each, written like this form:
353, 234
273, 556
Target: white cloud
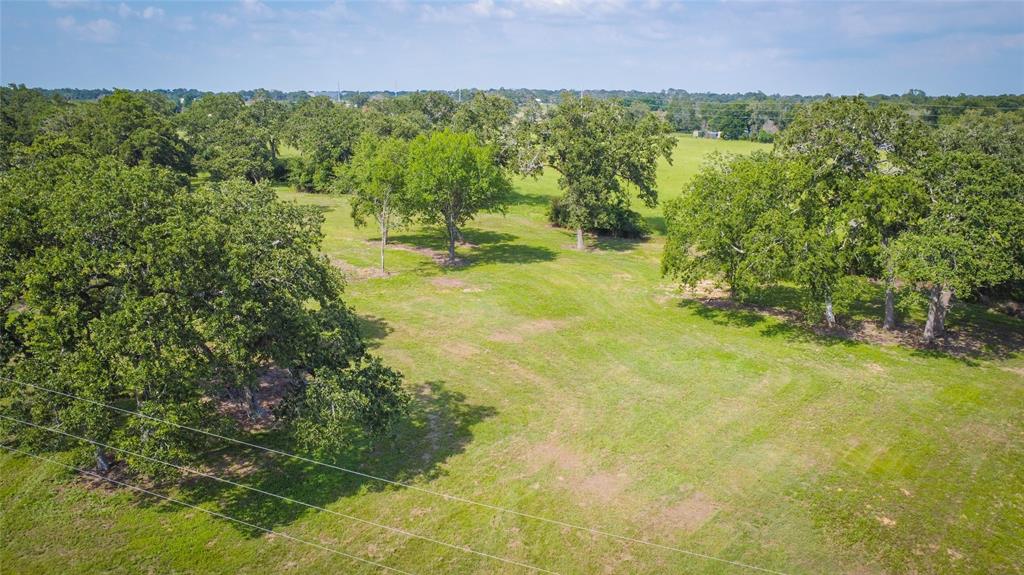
256, 9
488, 8
477, 10
148, 13
575, 6
101, 30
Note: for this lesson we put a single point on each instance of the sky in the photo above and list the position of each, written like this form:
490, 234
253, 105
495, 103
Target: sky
790, 47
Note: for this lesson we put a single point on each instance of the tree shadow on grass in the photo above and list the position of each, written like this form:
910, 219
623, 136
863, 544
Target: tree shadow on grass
373, 329
439, 427
480, 247
974, 332
613, 244
723, 315
657, 223
533, 200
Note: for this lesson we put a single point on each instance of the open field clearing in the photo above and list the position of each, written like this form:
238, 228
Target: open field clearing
583, 388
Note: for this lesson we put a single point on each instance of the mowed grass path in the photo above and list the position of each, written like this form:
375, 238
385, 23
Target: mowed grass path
577, 386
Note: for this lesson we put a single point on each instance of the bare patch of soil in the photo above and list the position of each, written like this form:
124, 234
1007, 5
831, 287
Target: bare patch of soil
439, 257
356, 273
690, 513
445, 282
706, 289
1018, 370
503, 336
577, 474
603, 487
520, 332
542, 325
462, 350
553, 453
273, 385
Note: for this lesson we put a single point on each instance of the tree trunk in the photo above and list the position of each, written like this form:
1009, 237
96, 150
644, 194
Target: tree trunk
890, 307
938, 304
253, 404
102, 463
458, 236
889, 323
830, 316
579, 238
451, 241
383, 242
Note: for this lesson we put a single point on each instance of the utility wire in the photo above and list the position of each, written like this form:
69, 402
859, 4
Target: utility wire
284, 498
447, 496
214, 513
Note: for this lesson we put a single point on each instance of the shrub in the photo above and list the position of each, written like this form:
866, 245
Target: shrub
617, 221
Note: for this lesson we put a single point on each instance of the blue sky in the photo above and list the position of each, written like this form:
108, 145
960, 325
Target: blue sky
786, 47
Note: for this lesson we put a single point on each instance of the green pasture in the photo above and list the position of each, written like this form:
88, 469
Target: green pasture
580, 386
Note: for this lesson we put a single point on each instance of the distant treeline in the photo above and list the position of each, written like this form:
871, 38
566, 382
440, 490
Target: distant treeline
753, 115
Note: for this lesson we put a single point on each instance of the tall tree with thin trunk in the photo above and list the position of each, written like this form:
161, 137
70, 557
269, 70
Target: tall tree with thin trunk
451, 177
375, 178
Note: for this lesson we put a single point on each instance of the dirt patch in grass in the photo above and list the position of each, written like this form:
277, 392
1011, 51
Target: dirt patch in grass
271, 388
1017, 370
689, 514
520, 332
577, 474
603, 487
553, 453
503, 336
542, 326
461, 349
356, 273
439, 257
445, 282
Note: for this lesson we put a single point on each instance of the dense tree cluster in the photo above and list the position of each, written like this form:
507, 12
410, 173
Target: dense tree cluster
854, 190
125, 283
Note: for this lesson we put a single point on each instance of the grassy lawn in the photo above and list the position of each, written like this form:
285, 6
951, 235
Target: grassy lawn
579, 386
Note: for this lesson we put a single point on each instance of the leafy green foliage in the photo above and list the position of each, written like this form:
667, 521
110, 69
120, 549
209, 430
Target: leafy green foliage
451, 178
489, 117
732, 120
616, 221
124, 287
233, 139
337, 405
376, 180
597, 146
859, 190
23, 113
326, 134
735, 223
133, 127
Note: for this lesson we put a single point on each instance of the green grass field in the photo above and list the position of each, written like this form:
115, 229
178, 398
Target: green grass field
580, 387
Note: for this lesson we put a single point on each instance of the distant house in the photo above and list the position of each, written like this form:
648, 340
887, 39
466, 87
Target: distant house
709, 134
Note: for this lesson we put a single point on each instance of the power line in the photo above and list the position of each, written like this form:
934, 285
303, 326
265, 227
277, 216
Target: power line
211, 512
413, 487
285, 498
